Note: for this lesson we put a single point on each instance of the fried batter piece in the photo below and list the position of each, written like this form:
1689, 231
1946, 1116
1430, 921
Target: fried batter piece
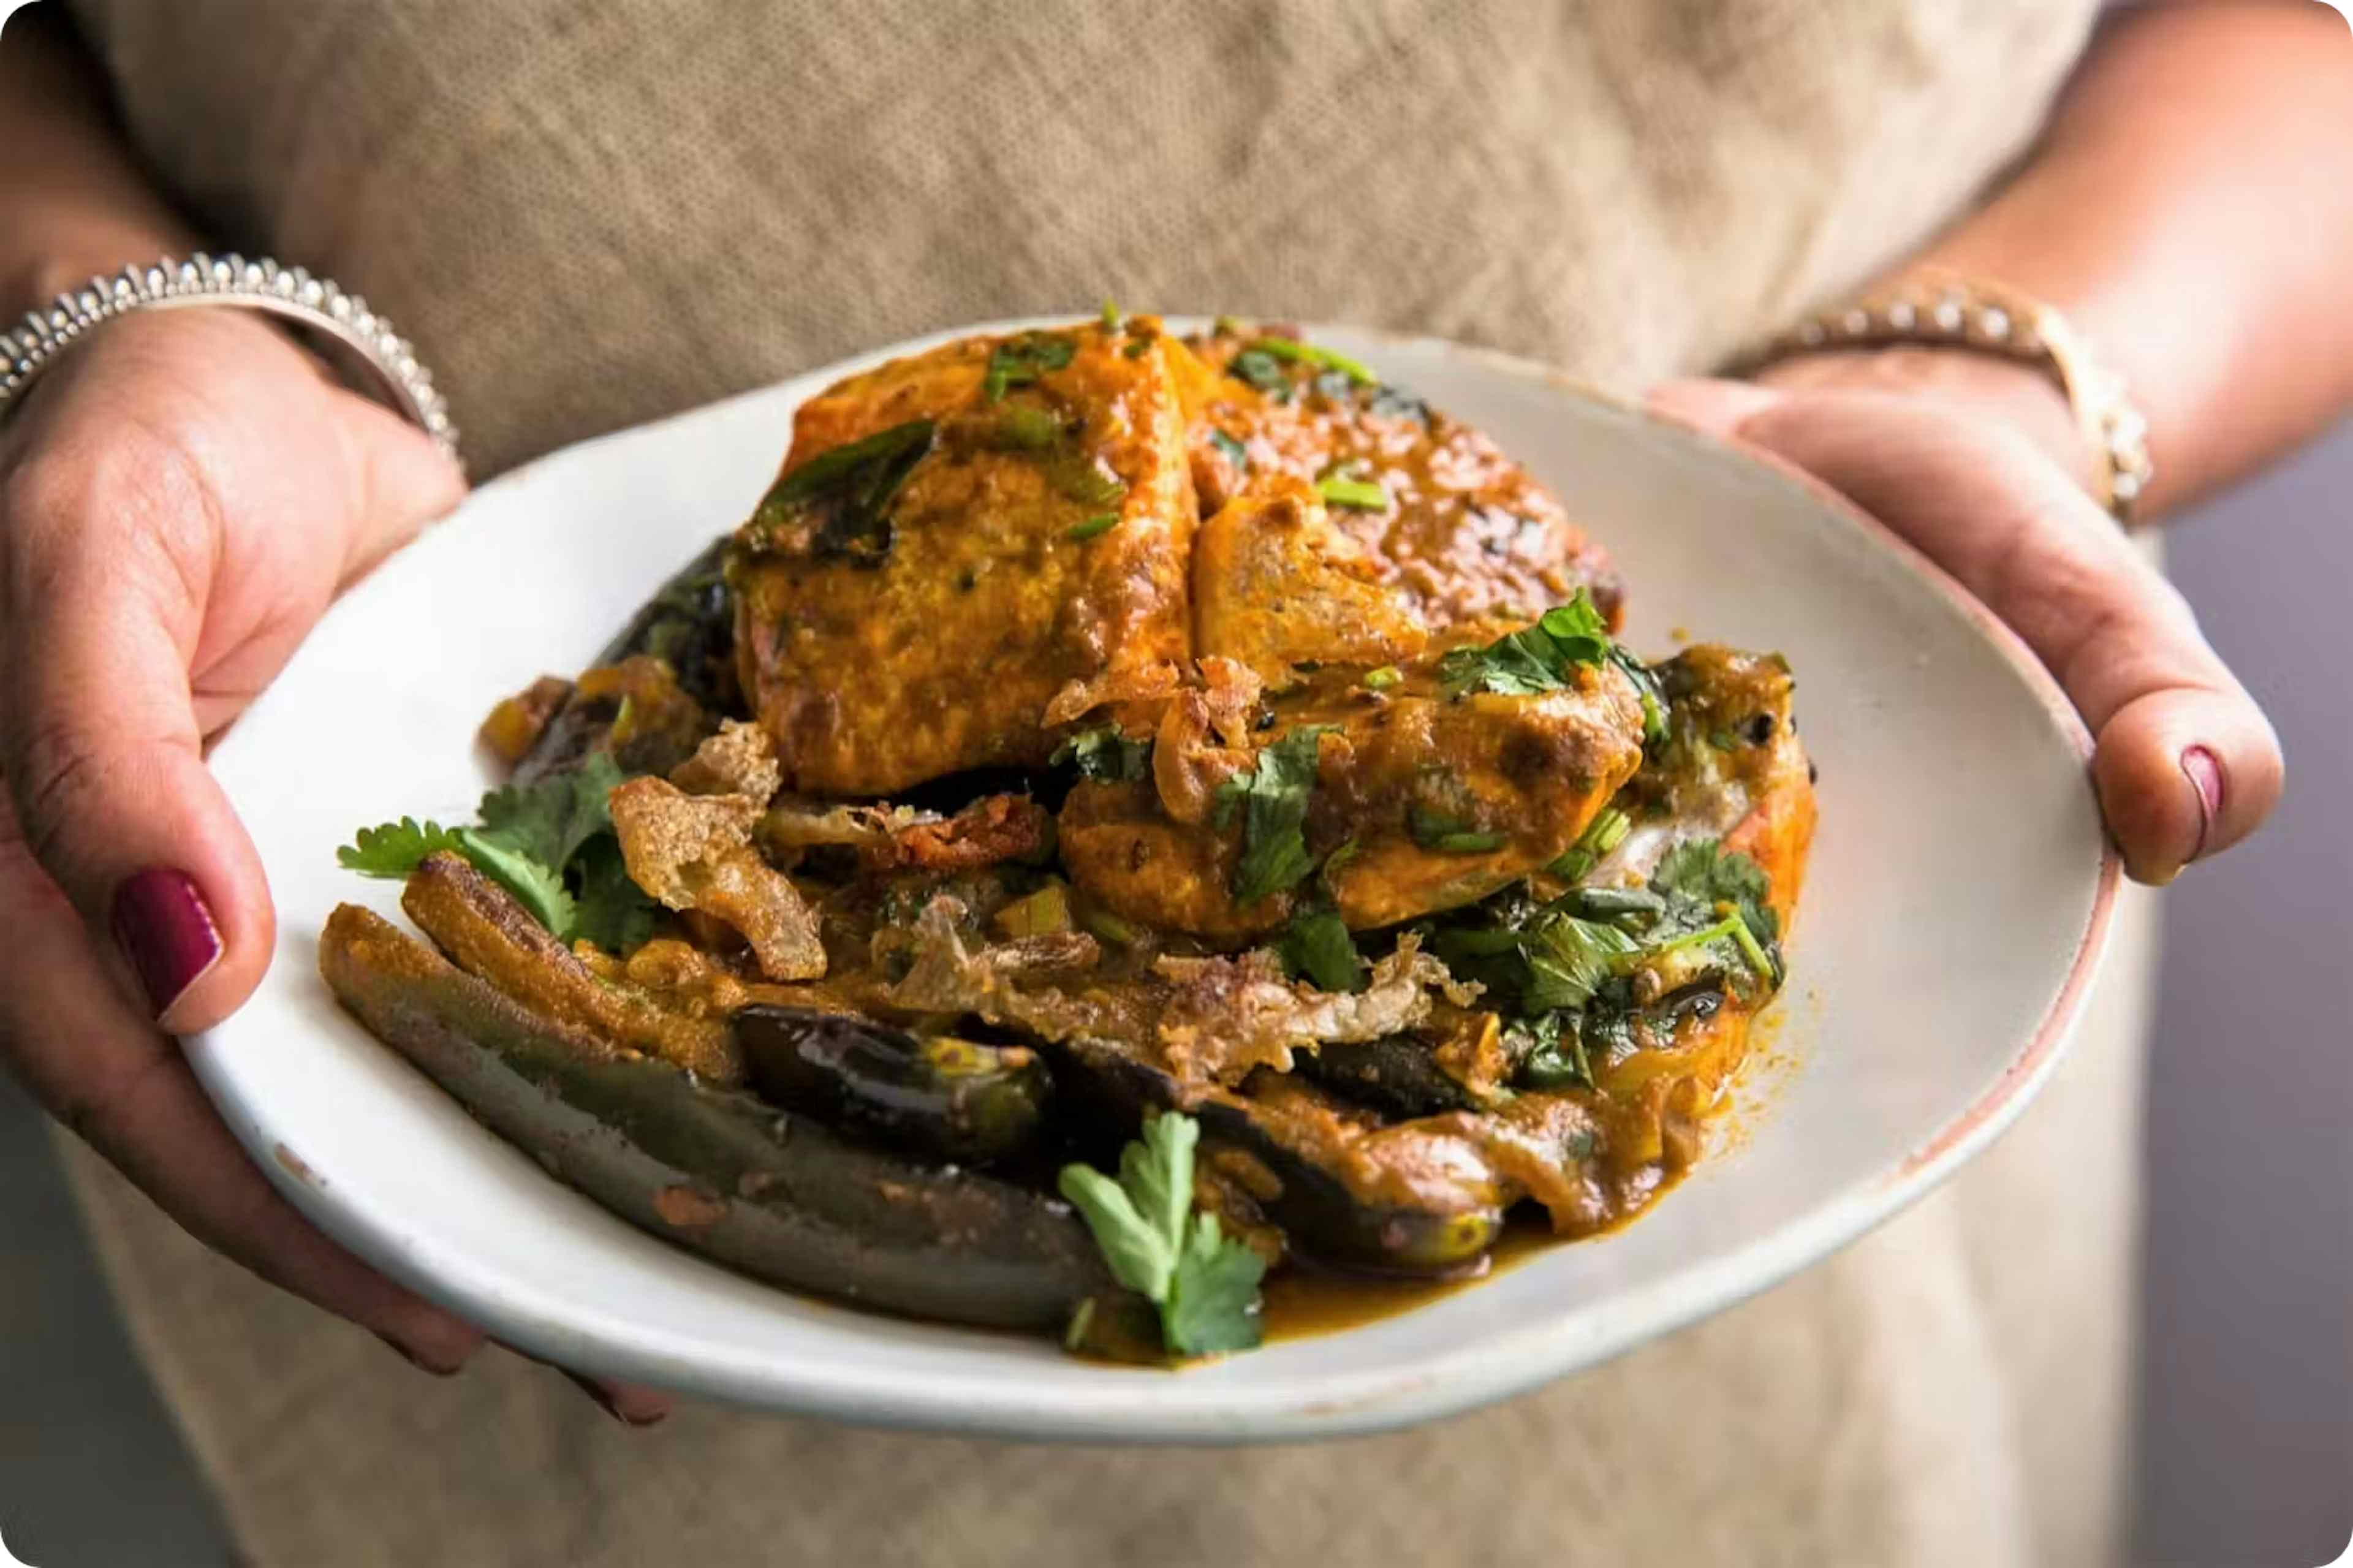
694, 852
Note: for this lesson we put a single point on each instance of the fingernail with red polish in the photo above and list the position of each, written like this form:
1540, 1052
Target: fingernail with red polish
417, 1360
606, 1401
2205, 774
166, 927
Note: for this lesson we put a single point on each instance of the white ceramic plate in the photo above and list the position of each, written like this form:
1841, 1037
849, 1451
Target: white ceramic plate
1952, 916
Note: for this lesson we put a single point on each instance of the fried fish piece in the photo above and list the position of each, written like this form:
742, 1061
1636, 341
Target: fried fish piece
968, 549
1438, 800
1460, 532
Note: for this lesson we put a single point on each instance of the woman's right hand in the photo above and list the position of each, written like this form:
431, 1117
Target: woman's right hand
181, 496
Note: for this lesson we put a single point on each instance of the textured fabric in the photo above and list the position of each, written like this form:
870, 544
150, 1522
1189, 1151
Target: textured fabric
589, 214
586, 214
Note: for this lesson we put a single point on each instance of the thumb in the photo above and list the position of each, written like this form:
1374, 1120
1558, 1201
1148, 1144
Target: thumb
101, 591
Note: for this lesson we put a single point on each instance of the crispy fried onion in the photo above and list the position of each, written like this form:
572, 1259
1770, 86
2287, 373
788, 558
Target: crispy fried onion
694, 852
1213, 1019
1204, 739
739, 760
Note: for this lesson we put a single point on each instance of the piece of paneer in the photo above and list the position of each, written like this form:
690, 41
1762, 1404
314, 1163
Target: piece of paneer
1459, 532
1007, 550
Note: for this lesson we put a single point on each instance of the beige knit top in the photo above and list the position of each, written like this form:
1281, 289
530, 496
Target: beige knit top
588, 214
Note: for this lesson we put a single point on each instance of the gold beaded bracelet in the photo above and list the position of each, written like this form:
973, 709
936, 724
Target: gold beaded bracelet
1936, 308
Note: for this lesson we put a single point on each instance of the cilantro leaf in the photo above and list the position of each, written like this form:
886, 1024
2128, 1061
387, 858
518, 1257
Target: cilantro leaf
550, 819
1236, 453
535, 886
612, 911
394, 850
1568, 958
1156, 1171
1213, 1300
1262, 371
1205, 1285
1535, 659
1701, 877
1104, 754
1555, 1054
1315, 946
1274, 796
1022, 359
1141, 1257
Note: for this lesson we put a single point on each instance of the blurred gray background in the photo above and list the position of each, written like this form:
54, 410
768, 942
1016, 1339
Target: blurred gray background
2246, 1430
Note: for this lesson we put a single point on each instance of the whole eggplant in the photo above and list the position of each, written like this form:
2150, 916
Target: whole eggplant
717, 1171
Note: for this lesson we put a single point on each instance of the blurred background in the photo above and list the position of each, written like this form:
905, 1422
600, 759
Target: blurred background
2246, 1388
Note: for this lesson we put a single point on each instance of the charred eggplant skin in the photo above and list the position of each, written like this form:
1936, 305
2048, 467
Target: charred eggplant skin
689, 624
953, 1099
1395, 1075
1315, 1209
719, 1172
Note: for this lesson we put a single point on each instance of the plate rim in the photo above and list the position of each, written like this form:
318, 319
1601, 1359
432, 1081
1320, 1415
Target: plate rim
1479, 1372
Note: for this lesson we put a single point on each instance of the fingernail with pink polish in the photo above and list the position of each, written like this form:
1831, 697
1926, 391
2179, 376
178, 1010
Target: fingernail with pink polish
167, 930
2204, 772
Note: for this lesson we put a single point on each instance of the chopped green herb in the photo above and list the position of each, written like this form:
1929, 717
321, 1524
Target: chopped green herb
1085, 479
1449, 835
837, 503
1556, 1056
1236, 453
396, 849
1308, 353
1110, 317
1026, 429
1382, 679
1315, 946
1329, 873
1100, 524
1022, 359
1357, 495
1105, 755
1264, 370
1699, 875
1225, 327
1602, 835
1646, 686
1274, 795
553, 819
1110, 927
1136, 349
550, 844
536, 887
1205, 1283
1395, 403
612, 911
1535, 659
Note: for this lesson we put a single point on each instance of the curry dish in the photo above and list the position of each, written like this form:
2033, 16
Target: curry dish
1124, 814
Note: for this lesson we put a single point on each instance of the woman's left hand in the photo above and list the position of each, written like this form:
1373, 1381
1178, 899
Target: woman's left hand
1970, 459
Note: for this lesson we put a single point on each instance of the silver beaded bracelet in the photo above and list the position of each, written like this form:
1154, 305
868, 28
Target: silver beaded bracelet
291, 292
1937, 307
